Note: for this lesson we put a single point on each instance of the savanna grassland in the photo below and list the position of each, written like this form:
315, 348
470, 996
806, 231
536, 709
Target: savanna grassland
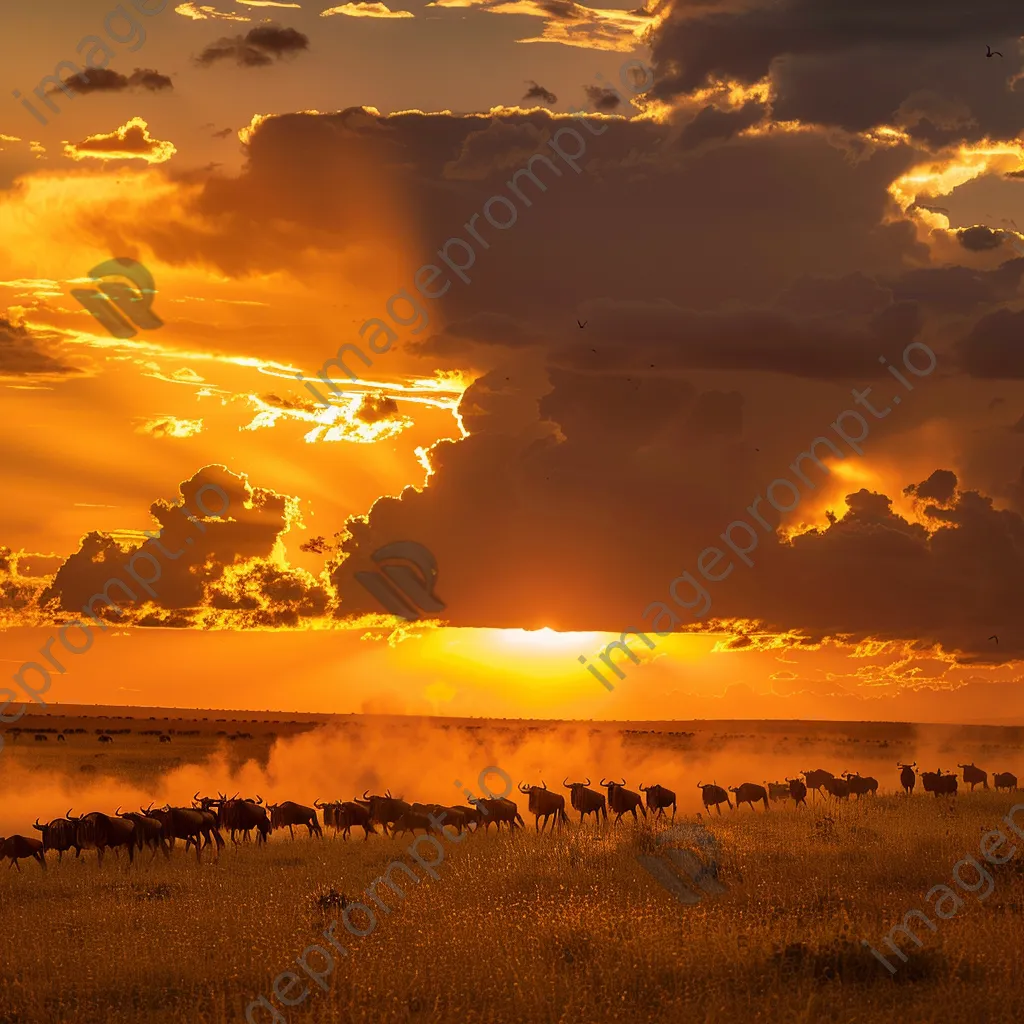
521, 927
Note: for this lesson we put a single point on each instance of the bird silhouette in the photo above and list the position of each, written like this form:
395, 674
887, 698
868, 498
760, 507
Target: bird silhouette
991, 52
994, 637
582, 325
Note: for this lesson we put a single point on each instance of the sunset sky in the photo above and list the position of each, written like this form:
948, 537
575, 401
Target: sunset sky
793, 201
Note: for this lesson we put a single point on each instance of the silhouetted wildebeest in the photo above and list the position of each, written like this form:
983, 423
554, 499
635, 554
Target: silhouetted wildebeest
180, 823
351, 814
658, 798
713, 795
859, 785
61, 738
19, 847
105, 739
544, 804
816, 780
165, 739
208, 808
622, 800
907, 777
148, 832
242, 816
473, 815
938, 783
797, 791
101, 832
329, 812
838, 789
385, 810
1004, 780
974, 775
289, 813
59, 834
39, 739
586, 801
777, 791
500, 810
748, 792
411, 820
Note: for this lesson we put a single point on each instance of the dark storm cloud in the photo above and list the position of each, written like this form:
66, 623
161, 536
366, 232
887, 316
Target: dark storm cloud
980, 239
855, 66
993, 348
194, 562
940, 487
712, 124
258, 47
955, 289
603, 99
108, 80
538, 92
22, 354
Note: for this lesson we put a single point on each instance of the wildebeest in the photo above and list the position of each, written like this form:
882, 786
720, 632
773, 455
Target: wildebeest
748, 792
180, 823
838, 789
289, 813
101, 832
622, 800
907, 777
586, 801
385, 810
473, 815
777, 791
211, 823
861, 784
1004, 780
938, 783
816, 779
165, 739
658, 798
148, 832
350, 814
105, 739
797, 791
59, 834
242, 816
544, 804
18, 847
974, 775
500, 810
62, 738
713, 795
40, 738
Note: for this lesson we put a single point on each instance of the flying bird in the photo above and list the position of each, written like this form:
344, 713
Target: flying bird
994, 637
582, 325
991, 52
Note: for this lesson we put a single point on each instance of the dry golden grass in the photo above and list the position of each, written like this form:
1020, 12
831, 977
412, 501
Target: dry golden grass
543, 929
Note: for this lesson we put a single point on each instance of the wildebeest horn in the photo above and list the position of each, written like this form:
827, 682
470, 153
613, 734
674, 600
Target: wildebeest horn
68, 815
587, 783
259, 799
318, 806
622, 783
37, 825
149, 808
196, 797
603, 783
700, 785
118, 811
235, 797
522, 788
543, 783
366, 794
387, 793
565, 782
642, 790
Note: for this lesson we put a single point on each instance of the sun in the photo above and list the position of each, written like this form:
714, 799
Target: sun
545, 639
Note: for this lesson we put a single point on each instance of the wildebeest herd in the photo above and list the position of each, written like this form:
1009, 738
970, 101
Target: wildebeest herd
201, 825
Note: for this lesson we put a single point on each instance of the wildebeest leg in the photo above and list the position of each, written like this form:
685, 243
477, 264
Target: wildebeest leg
41, 858
99, 855
60, 856
291, 833
198, 846
14, 861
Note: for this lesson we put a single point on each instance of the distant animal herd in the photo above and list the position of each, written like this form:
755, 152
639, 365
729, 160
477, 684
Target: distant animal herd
201, 825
